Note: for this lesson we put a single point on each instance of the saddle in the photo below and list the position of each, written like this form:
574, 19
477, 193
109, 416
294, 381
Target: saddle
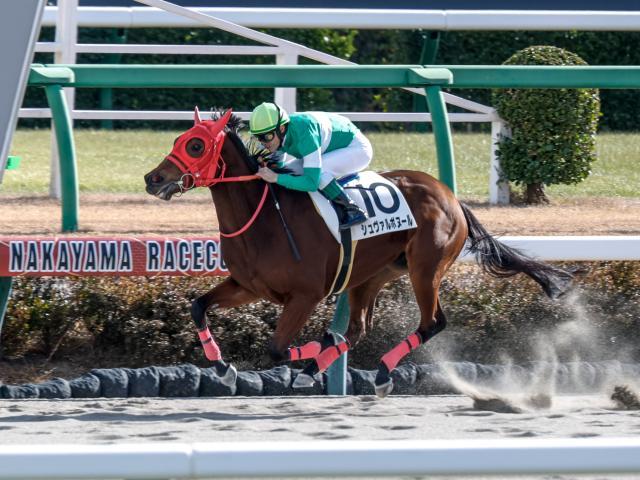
385, 205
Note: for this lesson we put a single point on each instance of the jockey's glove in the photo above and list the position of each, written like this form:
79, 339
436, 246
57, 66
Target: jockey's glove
274, 160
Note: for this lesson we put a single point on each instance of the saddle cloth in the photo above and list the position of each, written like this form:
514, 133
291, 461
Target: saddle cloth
385, 205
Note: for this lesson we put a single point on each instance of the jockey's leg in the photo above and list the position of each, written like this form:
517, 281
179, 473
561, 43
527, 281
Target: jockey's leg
341, 162
349, 213
353, 158
224, 295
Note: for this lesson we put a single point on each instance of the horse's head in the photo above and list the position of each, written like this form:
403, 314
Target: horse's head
194, 161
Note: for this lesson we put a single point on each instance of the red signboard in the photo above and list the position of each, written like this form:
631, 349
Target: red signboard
99, 256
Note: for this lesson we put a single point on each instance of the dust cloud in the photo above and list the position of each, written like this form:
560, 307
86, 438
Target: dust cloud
559, 367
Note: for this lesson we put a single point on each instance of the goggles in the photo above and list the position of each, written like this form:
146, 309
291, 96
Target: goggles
266, 137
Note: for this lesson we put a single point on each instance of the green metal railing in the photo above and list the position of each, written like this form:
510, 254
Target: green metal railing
433, 78
55, 77
13, 162
542, 76
337, 372
5, 293
251, 76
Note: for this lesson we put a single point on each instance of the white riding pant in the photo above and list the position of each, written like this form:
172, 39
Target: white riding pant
344, 161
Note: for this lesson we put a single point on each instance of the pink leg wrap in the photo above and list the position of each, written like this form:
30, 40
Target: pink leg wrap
330, 355
211, 349
393, 357
308, 350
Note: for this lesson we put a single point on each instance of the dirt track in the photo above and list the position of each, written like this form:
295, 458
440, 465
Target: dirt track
195, 215
273, 419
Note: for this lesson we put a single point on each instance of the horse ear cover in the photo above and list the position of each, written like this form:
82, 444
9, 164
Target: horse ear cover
219, 124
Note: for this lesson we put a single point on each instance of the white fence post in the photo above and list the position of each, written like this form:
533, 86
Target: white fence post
286, 97
498, 190
65, 52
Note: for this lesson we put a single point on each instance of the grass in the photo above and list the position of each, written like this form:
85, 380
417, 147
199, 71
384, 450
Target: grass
115, 161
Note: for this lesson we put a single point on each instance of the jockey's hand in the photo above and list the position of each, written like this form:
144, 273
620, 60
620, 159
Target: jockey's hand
267, 175
271, 160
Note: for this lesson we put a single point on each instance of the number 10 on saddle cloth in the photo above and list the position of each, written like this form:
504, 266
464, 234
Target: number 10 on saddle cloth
385, 205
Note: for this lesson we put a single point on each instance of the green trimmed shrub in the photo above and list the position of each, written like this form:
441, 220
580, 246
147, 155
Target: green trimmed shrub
553, 130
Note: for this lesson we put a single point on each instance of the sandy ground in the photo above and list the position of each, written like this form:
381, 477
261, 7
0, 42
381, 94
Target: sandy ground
233, 419
194, 215
302, 419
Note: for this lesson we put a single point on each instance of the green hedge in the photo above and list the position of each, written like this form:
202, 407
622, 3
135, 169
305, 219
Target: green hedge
134, 322
553, 131
619, 107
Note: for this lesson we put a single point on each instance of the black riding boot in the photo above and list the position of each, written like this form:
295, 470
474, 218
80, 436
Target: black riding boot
352, 214
349, 213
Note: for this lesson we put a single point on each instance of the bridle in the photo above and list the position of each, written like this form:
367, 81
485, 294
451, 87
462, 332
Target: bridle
198, 155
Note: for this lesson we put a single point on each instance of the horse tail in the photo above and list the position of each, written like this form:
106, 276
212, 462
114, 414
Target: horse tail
500, 260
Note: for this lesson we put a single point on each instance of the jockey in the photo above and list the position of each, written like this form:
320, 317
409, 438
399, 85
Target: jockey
329, 145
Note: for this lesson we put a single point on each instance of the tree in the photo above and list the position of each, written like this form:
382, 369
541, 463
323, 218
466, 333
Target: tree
553, 130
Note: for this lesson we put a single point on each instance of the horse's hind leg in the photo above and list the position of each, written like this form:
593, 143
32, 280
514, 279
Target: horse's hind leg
362, 303
389, 361
224, 295
425, 271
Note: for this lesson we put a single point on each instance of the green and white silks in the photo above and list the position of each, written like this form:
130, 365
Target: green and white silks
329, 145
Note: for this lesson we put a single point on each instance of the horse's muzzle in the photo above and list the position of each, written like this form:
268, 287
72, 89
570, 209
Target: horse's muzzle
153, 178
158, 186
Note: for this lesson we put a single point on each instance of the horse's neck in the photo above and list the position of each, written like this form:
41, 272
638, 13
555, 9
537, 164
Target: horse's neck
236, 199
235, 202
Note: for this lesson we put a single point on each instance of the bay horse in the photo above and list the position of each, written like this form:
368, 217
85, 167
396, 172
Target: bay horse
257, 252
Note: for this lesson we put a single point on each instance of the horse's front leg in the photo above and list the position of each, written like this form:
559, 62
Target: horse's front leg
294, 315
224, 295
332, 347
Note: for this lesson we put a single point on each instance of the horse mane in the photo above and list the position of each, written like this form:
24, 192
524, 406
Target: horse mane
234, 125
250, 151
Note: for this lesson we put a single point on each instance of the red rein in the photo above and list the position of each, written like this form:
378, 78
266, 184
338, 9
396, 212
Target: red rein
252, 219
198, 155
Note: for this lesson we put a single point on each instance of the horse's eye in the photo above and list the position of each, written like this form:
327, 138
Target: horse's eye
195, 147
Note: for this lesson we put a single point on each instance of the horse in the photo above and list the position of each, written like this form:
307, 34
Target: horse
256, 250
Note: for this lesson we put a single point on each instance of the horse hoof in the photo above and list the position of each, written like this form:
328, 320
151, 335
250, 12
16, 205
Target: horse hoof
331, 339
384, 389
226, 372
230, 377
303, 381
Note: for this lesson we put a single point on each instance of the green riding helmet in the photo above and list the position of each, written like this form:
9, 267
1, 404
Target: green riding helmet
267, 117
